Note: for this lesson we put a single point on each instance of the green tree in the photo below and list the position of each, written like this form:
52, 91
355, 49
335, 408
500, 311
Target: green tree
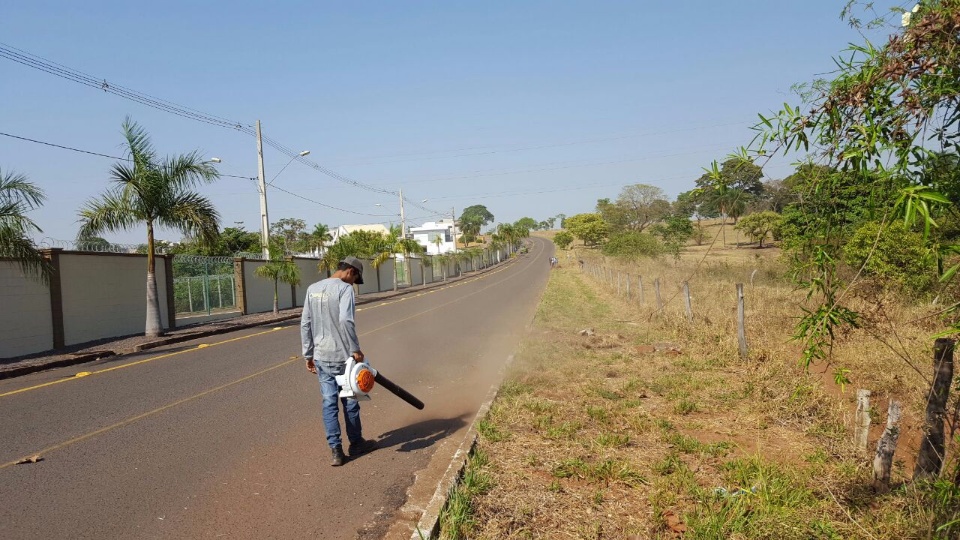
394, 246
237, 240
591, 228
728, 188
360, 244
642, 205
278, 268
290, 235
886, 114
674, 232
320, 236
155, 193
563, 239
470, 227
232, 240
527, 223
477, 213
758, 225
18, 196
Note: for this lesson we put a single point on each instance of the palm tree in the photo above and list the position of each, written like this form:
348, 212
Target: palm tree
156, 194
406, 246
320, 236
17, 197
279, 268
438, 240
496, 244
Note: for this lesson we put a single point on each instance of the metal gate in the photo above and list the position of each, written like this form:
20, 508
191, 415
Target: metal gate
203, 284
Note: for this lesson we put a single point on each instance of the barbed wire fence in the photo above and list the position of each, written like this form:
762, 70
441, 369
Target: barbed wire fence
635, 287
203, 284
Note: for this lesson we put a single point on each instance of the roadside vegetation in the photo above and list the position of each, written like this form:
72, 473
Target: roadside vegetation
616, 421
622, 419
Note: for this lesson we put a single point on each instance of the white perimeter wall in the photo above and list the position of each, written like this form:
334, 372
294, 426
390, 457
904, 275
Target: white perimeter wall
105, 295
26, 325
259, 291
415, 277
309, 274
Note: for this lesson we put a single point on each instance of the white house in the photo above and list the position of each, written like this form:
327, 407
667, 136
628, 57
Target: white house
344, 230
427, 234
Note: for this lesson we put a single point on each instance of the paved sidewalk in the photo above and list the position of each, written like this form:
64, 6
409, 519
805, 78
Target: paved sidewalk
95, 350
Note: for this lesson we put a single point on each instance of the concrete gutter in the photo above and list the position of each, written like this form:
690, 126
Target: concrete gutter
429, 525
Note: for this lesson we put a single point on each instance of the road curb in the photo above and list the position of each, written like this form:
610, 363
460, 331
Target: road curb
78, 359
428, 527
214, 332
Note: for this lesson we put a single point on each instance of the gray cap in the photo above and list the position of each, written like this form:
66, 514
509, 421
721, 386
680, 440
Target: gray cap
355, 262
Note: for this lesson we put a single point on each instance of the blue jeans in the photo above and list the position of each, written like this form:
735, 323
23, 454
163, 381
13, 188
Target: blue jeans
331, 411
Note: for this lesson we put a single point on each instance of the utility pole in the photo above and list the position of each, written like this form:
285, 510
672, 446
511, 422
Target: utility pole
453, 214
264, 219
403, 221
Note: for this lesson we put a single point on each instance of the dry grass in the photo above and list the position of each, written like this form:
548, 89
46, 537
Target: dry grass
652, 424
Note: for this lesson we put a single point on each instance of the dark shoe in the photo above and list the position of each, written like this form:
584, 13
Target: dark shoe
362, 447
338, 457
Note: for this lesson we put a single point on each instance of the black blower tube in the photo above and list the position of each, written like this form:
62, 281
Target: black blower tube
397, 391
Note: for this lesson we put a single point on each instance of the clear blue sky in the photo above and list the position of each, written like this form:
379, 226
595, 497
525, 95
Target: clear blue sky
529, 108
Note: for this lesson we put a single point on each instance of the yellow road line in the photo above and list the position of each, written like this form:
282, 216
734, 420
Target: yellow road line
218, 388
133, 419
136, 363
206, 345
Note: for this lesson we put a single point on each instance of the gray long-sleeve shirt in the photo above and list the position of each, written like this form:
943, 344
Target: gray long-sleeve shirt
327, 329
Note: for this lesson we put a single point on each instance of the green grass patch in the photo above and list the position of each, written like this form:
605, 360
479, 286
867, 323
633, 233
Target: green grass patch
490, 431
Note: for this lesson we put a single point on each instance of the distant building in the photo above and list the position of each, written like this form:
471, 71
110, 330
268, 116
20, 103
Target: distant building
427, 234
344, 230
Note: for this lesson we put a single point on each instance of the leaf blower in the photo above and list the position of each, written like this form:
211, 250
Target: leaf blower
358, 380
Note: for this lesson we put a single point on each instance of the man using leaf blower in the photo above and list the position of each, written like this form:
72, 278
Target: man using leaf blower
329, 336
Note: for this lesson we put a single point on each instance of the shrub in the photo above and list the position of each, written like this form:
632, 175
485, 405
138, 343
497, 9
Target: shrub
900, 256
632, 245
563, 239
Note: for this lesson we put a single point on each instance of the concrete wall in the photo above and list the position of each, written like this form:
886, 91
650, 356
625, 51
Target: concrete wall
25, 321
259, 291
370, 280
309, 274
416, 276
105, 295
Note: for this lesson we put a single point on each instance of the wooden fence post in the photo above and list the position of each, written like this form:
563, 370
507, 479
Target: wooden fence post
862, 420
686, 295
741, 323
886, 447
618, 283
930, 459
640, 287
656, 287
628, 286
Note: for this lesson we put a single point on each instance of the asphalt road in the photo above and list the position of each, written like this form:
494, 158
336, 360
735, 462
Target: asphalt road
223, 437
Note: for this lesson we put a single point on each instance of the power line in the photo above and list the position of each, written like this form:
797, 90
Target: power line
63, 147
42, 64
97, 153
297, 195
221, 175
36, 62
